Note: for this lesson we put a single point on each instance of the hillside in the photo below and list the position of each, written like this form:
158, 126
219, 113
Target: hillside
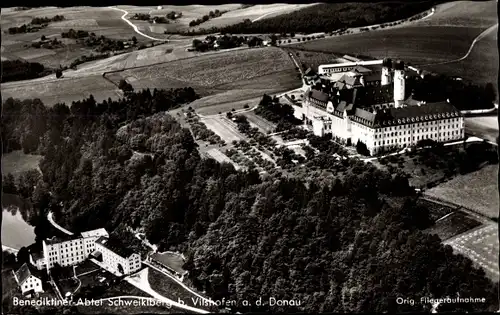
327, 17
332, 245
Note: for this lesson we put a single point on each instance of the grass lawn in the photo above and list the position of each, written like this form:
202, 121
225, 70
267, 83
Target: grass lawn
17, 162
169, 288
263, 124
477, 191
85, 267
171, 260
454, 224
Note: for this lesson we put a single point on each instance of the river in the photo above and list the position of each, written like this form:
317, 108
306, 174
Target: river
16, 232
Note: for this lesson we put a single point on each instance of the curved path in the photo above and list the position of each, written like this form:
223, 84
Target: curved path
478, 38
140, 281
57, 226
136, 29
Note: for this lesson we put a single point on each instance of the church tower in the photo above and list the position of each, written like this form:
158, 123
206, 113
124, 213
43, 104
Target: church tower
386, 72
399, 83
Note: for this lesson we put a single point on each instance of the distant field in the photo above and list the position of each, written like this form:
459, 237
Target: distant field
454, 224
418, 45
67, 90
477, 191
252, 13
225, 77
17, 162
101, 21
480, 66
485, 127
481, 14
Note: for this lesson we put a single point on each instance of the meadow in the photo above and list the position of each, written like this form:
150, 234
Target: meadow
16, 162
485, 127
477, 191
64, 90
233, 76
456, 223
418, 45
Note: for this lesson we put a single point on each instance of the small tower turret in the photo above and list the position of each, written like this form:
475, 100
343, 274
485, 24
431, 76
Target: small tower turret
399, 83
386, 71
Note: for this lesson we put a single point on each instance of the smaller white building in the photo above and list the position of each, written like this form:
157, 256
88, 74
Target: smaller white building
28, 281
116, 256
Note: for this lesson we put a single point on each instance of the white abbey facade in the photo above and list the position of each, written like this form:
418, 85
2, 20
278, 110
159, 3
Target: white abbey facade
116, 257
68, 251
384, 124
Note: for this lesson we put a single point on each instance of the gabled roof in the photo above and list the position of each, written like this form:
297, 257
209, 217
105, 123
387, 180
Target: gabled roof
115, 245
23, 273
361, 69
96, 232
319, 96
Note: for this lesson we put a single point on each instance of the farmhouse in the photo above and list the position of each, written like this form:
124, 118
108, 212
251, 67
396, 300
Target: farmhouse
380, 116
29, 279
116, 256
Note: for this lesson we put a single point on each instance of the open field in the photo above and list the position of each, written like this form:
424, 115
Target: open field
485, 127
477, 191
480, 66
263, 124
224, 102
481, 14
481, 245
17, 162
172, 260
418, 45
169, 288
252, 13
223, 129
219, 69
457, 223
67, 90
221, 157
436, 211
231, 76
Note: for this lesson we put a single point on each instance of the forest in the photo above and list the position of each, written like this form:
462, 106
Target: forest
15, 70
329, 17
351, 243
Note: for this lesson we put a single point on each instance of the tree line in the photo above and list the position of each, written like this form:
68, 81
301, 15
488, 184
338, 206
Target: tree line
337, 244
35, 25
329, 17
15, 70
210, 15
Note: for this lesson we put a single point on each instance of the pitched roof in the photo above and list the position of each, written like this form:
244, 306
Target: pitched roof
115, 245
361, 69
25, 272
405, 115
96, 232
319, 95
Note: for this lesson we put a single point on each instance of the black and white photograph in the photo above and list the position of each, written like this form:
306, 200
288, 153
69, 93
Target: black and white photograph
199, 158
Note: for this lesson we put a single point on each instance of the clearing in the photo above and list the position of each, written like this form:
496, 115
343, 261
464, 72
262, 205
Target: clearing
17, 162
223, 128
485, 127
477, 191
253, 13
64, 90
455, 224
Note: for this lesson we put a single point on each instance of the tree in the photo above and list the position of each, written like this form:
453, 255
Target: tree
59, 73
43, 38
23, 256
134, 40
362, 149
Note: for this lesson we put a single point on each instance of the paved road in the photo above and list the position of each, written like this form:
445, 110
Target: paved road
140, 281
57, 226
